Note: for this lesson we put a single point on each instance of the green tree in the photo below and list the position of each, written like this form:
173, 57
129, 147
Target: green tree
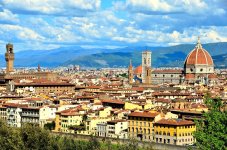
93, 144
10, 138
211, 132
49, 126
35, 137
132, 144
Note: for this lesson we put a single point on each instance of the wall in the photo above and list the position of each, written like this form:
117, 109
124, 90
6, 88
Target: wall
156, 146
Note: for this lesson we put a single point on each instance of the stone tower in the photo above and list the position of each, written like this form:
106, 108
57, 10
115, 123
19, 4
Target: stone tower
39, 68
148, 76
130, 73
9, 57
146, 67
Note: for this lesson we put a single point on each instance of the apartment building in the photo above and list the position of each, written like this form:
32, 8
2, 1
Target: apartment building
174, 131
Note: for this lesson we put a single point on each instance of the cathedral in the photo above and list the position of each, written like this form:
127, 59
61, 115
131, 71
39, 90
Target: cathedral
198, 68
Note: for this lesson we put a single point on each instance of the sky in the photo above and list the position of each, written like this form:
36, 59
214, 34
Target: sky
51, 24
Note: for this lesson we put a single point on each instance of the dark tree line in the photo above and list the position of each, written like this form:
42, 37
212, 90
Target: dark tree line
32, 137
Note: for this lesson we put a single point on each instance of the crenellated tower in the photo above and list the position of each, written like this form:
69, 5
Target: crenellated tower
9, 57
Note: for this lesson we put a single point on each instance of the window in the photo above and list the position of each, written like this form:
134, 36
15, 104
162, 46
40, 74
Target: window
201, 70
191, 70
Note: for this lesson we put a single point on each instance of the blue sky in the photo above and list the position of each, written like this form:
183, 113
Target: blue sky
50, 24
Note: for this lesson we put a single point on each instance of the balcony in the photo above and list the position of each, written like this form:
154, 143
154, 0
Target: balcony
29, 115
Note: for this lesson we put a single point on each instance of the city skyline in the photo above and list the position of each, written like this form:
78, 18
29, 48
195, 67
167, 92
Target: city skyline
44, 25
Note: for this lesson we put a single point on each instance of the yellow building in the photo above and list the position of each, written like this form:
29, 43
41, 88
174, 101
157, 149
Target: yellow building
68, 118
131, 106
106, 112
174, 131
140, 125
91, 124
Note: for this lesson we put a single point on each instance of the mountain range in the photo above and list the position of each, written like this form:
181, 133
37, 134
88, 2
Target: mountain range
172, 56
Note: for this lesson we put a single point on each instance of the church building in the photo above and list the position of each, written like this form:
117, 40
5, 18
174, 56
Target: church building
198, 68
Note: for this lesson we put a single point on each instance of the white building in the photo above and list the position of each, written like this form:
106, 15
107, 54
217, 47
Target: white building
14, 116
117, 129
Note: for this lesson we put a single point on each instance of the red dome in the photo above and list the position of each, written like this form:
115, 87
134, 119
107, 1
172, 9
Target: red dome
199, 56
138, 70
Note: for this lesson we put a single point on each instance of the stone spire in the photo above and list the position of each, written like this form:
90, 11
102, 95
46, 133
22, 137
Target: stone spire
130, 63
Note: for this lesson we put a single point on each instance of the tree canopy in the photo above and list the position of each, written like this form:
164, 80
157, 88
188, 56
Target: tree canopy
211, 132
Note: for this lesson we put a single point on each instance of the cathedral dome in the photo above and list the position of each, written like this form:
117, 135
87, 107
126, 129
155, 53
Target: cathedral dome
138, 70
199, 56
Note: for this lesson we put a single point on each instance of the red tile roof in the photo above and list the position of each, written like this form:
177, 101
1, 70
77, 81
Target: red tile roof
199, 56
175, 122
190, 76
138, 70
113, 101
143, 114
167, 71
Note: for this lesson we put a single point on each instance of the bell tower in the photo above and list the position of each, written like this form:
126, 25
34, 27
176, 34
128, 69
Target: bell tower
130, 73
9, 57
146, 65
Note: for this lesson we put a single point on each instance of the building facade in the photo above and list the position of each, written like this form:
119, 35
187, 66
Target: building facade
174, 131
140, 125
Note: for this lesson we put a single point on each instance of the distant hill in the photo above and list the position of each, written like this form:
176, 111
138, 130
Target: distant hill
172, 56
220, 61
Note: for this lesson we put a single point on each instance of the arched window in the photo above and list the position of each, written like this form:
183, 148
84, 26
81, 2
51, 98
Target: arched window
144, 60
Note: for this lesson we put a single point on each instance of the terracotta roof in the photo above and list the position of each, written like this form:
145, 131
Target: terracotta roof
212, 76
175, 122
167, 71
113, 101
138, 70
190, 76
163, 100
199, 56
45, 84
143, 114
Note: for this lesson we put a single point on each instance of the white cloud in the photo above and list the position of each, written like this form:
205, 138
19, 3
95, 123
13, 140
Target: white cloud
148, 5
54, 7
8, 16
151, 7
16, 32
